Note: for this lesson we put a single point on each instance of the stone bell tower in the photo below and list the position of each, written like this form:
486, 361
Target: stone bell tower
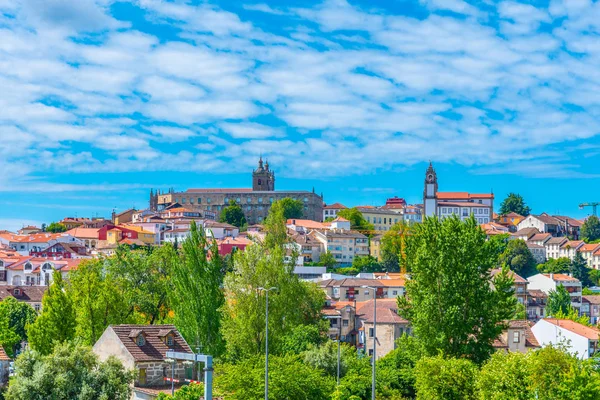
430, 192
263, 179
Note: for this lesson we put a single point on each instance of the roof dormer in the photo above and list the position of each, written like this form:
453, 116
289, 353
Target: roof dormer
138, 336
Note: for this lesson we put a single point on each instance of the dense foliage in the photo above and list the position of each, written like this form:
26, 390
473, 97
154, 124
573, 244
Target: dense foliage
590, 231
514, 203
14, 317
559, 300
288, 207
233, 214
56, 227
392, 243
357, 221
518, 258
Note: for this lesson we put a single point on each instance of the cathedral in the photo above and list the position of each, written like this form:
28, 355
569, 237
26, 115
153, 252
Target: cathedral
255, 201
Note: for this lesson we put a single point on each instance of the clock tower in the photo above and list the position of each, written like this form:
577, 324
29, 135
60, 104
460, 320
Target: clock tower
430, 192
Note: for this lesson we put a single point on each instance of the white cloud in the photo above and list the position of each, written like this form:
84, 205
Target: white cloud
244, 130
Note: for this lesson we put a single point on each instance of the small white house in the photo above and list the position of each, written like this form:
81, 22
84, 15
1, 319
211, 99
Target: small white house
580, 340
548, 282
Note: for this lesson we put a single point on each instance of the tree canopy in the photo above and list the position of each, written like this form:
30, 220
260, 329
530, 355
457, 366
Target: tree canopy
514, 202
14, 317
555, 265
579, 269
590, 231
56, 227
518, 257
357, 221
559, 300
366, 264
233, 214
451, 300
327, 259
289, 207
392, 243
69, 372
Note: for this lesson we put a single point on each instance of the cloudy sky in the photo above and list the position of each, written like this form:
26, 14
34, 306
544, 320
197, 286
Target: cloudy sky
101, 100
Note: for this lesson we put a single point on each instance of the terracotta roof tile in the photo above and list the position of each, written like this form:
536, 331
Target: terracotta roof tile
575, 327
3, 355
29, 294
154, 348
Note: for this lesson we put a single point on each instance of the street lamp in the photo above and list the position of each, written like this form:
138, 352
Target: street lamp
374, 337
339, 337
172, 362
262, 289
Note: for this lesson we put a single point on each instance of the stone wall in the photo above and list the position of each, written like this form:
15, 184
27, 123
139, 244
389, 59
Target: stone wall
157, 371
4, 372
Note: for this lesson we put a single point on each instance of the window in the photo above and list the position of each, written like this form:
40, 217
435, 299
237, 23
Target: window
305, 199
366, 292
208, 200
384, 221
260, 199
456, 211
249, 200
444, 210
140, 340
485, 211
17, 292
333, 321
260, 182
516, 337
3, 276
344, 322
170, 340
183, 200
370, 332
28, 267
36, 307
394, 293
270, 199
249, 208
370, 352
199, 200
191, 200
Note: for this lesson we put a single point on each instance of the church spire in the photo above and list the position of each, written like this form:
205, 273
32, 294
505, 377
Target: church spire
260, 163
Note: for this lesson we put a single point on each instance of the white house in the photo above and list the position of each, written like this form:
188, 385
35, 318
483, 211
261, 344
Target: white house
587, 252
569, 248
343, 245
553, 246
538, 252
548, 282
462, 204
544, 223
25, 244
331, 210
580, 340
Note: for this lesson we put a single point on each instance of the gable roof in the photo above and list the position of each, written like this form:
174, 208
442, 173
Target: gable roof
547, 219
387, 312
512, 215
335, 206
154, 349
3, 355
517, 278
29, 294
540, 237
592, 299
575, 327
529, 232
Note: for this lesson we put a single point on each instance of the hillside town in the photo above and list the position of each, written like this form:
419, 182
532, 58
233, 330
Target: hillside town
124, 283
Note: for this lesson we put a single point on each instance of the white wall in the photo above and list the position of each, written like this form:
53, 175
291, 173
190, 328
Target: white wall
547, 333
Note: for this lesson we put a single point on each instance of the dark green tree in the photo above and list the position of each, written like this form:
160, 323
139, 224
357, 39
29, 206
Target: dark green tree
233, 214
559, 300
356, 218
505, 376
196, 295
396, 371
14, 317
452, 302
302, 337
498, 243
56, 324
446, 378
56, 227
580, 270
518, 258
590, 231
290, 208
327, 259
514, 203
366, 264
555, 266
70, 372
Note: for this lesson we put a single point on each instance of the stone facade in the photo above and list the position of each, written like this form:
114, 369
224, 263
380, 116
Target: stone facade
255, 201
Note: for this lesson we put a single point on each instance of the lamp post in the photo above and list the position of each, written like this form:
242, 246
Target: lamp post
338, 353
262, 289
172, 362
374, 338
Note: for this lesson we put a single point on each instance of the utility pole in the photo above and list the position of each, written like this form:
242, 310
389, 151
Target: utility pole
267, 340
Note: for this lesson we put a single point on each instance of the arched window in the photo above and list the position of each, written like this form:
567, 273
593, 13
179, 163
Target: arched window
27, 266
1, 264
140, 340
46, 267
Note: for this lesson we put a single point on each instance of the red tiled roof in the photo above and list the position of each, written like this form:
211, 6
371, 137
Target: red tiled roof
338, 206
154, 349
589, 247
592, 299
386, 312
575, 327
517, 278
28, 294
562, 277
3, 355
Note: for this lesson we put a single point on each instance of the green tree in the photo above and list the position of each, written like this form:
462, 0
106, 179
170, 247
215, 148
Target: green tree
594, 276
498, 243
559, 300
518, 258
193, 391
514, 203
289, 379
289, 207
580, 270
196, 296
505, 376
98, 300
452, 302
302, 337
366, 264
573, 315
357, 221
14, 317
56, 227
327, 259
70, 372
555, 266
590, 231
445, 378
396, 371
56, 323
144, 280
233, 214
520, 312
391, 246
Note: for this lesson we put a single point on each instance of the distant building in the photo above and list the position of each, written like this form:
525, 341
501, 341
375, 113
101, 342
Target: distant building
548, 282
510, 220
538, 252
381, 218
544, 223
590, 306
331, 210
31, 295
255, 201
536, 304
517, 337
461, 204
580, 340
345, 246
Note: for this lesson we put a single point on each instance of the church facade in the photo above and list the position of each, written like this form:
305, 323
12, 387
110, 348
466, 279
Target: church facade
255, 201
462, 204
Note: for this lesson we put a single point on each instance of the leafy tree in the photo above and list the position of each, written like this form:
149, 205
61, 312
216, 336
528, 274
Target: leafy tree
327, 259
98, 300
396, 371
347, 271
452, 302
573, 315
56, 323
233, 214
70, 372
366, 264
559, 300
445, 378
505, 376
555, 266
324, 357
289, 207
144, 280
357, 221
590, 231
196, 296
289, 379
498, 243
193, 391
302, 337
520, 312
580, 270
518, 258
391, 246
594, 275
56, 227
14, 317
514, 203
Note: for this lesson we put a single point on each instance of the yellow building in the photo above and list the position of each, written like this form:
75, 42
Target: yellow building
375, 247
145, 236
511, 220
382, 219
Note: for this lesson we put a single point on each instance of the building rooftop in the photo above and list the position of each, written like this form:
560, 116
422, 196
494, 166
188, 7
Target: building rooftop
337, 206
517, 278
387, 312
154, 348
575, 327
592, 299
3, 355
29, 294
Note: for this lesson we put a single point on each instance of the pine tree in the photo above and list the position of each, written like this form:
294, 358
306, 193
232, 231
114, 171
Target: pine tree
56, 323
580, 270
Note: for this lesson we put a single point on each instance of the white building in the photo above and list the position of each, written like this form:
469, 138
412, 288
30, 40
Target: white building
330, 211
569, 249
587, 252
544, 223
580, 340
24, 244
538, 252
462, 204
553, 246
343, 245
548, 282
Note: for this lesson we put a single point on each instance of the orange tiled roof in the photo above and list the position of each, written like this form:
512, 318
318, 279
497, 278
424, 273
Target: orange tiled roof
575, 327
306, 223
562, 277
589, 247
335, 206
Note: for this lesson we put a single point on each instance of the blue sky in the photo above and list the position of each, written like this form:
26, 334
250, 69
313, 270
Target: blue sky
102, 100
